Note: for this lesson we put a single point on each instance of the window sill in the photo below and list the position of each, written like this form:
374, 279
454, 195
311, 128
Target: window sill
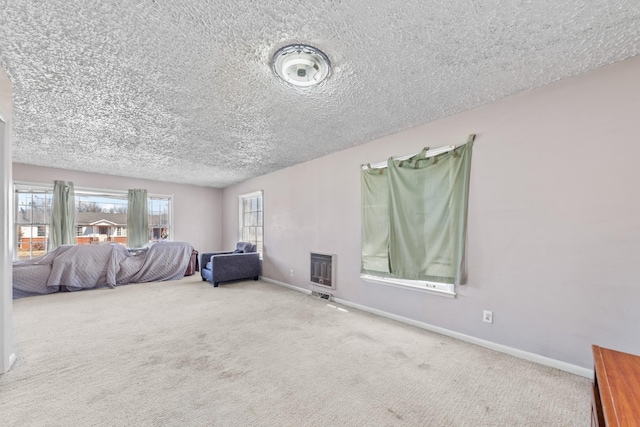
402, 285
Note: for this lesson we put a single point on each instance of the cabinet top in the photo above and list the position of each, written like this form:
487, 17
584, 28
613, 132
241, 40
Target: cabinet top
618, 378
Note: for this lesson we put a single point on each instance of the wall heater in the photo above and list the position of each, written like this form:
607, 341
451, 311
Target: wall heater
323, 270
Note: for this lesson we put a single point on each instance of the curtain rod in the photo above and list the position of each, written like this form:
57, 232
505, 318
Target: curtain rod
428, 153
86, 190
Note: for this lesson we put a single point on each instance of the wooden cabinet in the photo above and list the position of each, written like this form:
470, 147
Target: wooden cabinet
616, 389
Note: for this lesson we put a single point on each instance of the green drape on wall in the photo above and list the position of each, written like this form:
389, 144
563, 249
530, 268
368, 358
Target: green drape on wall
375, 221
137, 219
426, 211
62, 227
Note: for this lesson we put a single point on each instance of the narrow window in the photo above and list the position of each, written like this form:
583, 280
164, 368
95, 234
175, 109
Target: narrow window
251, 215
159, 218
32, 216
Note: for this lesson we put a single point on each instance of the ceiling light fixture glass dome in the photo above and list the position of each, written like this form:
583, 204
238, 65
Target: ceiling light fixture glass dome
301, 65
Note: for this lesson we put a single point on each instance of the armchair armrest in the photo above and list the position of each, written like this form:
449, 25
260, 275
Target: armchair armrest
206, 256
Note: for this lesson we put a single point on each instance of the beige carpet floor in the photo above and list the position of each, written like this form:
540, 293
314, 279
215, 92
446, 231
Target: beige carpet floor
251, 353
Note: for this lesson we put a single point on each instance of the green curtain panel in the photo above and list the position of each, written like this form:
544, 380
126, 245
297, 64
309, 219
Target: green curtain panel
375, 222
62, 229
426, 209
137, 219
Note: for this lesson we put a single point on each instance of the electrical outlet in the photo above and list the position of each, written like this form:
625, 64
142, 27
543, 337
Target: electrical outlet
291, 273
487, 316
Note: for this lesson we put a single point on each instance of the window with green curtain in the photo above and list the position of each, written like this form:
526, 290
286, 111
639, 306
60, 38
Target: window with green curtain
32, 217
414, 214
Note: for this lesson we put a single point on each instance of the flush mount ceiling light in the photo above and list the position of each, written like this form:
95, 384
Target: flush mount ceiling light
301, 65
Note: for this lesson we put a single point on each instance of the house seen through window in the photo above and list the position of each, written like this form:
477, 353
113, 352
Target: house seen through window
31, 219
101, 217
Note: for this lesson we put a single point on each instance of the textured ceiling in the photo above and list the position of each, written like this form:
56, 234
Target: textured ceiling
183, 91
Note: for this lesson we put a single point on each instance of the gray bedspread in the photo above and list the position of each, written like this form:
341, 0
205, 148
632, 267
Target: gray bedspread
76, 267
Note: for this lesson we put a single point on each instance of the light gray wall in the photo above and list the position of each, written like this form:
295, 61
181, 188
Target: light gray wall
7, 350
554, 218
196, 210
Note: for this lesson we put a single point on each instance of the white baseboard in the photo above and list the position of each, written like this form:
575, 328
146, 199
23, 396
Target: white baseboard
286, 285
532, 357
12, 360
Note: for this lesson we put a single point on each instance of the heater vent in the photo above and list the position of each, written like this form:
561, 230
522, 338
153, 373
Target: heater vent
321, 295
323, 270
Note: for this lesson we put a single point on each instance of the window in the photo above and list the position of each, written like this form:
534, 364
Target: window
414, 219
33, 210
98, 212
251, 227
158, 210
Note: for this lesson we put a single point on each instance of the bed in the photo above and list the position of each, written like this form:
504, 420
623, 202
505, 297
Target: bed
77, 267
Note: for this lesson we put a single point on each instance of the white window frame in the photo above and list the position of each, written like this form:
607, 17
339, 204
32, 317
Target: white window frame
433, 288
85, 191
169, 214
241, 226
34, 226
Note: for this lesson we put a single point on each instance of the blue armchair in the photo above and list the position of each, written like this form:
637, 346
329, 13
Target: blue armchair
243, 263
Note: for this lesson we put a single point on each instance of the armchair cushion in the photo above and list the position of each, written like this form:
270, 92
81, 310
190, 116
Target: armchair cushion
244, 247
